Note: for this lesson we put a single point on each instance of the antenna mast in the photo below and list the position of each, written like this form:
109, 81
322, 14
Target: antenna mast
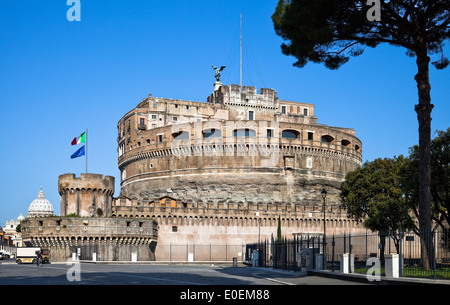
240, 82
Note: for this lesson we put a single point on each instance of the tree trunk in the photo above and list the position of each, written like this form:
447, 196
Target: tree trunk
423, 110
383, 246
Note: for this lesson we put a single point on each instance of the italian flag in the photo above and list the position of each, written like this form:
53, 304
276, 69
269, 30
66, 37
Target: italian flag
80, 139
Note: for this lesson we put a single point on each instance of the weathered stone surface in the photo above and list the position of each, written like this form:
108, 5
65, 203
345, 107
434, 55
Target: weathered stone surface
207, 172
112, 239
88, 199
89, 195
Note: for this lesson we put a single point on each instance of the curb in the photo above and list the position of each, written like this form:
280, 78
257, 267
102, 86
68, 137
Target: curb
383, 279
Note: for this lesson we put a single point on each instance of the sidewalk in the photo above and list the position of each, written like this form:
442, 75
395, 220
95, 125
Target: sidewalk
358, 277
383, 279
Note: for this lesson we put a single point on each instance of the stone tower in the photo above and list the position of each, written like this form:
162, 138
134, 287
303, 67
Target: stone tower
85, 229
90, 195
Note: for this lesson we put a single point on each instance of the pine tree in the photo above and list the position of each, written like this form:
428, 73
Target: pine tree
330, 32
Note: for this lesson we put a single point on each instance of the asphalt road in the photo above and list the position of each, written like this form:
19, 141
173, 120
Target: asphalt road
132, 274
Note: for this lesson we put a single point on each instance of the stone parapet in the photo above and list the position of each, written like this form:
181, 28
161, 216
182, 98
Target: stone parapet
62, 235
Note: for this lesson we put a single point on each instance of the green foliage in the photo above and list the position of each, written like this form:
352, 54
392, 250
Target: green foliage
330, 31
384, 192
440, 177
372, 193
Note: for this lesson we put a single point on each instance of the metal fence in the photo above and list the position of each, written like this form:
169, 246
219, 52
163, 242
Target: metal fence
411, 247
198, 253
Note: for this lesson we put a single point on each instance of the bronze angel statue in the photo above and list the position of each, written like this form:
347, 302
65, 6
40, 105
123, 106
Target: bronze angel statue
217, 73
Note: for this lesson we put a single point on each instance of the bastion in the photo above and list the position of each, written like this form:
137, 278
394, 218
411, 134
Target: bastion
85, 229
87, 196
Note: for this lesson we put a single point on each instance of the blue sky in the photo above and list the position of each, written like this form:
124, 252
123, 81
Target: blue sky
58, 78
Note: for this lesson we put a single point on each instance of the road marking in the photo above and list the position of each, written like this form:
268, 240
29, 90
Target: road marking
273, 280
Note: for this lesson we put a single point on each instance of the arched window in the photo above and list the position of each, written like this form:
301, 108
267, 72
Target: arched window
345, 143
212, 133
290, 134
181, 135
327, 139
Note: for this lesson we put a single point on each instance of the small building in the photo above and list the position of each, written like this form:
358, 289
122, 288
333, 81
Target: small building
12, 234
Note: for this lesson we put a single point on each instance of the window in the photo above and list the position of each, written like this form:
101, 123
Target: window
248, 133
305, 111
327, 139
283, 109
251, 115
345, 143
174, 229
175, 118
181, 135
141, 124
290, 134
160, 138
153, 116
155, 105
212, 133
270, 133
310, 136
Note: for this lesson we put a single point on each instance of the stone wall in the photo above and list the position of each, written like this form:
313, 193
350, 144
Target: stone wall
89, 195
224, 171
112, 239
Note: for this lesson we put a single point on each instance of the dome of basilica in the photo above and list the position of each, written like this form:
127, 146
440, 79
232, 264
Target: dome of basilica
40, 207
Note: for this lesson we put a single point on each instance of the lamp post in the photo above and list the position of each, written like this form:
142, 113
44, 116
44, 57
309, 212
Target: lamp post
259, 232
324, 195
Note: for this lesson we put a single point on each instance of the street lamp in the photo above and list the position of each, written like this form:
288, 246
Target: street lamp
259, 232
324, 195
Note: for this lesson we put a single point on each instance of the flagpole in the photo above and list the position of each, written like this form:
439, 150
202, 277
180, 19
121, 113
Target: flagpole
86, 151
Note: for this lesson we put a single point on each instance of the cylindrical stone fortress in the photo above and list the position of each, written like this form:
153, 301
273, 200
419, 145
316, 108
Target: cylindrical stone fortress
236, 164
89, 195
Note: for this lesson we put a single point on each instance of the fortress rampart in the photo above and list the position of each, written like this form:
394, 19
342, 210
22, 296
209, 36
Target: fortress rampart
110, 239
225, 171
85, 229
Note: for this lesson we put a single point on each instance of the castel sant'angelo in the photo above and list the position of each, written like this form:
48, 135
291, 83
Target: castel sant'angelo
216, 173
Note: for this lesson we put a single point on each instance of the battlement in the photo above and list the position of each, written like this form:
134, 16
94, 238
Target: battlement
86, 181
88, 195
233, 95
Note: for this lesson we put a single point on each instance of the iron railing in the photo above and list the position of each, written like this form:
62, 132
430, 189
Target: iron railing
425, 255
